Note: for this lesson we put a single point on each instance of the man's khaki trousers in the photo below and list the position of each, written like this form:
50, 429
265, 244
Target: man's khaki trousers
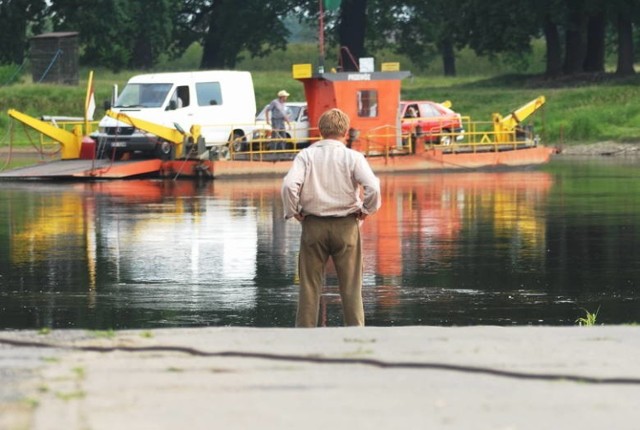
338, 238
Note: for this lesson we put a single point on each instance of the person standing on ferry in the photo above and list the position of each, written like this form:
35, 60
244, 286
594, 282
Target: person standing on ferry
276, 115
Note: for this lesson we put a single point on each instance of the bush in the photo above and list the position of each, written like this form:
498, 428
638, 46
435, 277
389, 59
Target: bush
10, 74
582, 127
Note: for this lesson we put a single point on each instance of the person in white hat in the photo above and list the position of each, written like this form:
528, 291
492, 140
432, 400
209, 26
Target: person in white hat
276, 115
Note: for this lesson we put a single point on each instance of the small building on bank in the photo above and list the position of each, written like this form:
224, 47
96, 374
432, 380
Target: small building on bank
54, 58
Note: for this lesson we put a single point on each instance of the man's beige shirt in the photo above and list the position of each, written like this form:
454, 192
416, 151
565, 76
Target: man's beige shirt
325, 180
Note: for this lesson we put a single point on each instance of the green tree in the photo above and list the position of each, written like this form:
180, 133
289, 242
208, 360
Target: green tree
351, 32
585, 25
151, 30
346, 24
596, 34
550, 14
499, 26
118, 33
626, 12
226, 28
422, 30
19, 19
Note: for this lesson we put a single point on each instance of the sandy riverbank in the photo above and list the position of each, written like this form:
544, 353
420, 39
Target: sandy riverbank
614, 149
372, 378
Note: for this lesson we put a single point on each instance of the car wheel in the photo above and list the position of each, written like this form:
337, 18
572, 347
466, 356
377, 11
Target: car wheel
445, 138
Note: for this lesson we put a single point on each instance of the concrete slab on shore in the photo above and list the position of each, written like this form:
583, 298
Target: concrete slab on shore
340, 378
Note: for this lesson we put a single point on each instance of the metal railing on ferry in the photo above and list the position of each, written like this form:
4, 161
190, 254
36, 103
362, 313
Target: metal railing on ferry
386, 140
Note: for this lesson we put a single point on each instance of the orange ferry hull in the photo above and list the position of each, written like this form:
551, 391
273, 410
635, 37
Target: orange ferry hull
431, 160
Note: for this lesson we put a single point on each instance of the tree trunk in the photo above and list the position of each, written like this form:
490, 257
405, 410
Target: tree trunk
142, 54
14, 37
212, 57
595, 52
448, 57
575, 40
554, 51
351, 32
625, 45
211, 51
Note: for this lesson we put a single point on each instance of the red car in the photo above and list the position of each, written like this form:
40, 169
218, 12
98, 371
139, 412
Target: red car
437, 122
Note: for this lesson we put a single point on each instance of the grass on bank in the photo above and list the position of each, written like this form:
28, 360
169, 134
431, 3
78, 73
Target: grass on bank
589, 319
579, 110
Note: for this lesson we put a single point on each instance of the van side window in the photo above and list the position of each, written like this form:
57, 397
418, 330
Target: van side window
181, 97
208, 93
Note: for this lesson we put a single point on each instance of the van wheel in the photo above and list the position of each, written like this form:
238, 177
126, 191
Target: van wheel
238, 141
164, 150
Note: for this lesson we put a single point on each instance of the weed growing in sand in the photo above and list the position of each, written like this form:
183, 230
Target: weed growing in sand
79, 372
589, 319
66, 396
108, 334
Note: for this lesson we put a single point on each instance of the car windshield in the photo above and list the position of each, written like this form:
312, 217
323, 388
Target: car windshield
429, 111
143, 95
293, 112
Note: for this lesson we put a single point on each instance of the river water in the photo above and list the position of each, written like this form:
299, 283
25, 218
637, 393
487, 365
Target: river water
535, 247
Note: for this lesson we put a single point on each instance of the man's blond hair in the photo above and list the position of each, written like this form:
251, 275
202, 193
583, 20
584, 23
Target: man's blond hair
333, 124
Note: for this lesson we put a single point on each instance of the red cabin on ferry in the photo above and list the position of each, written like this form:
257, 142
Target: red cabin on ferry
371, 99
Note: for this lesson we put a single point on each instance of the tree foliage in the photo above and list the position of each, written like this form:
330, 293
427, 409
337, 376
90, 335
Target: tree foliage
351, 32
19, 19
579, 34
422, 30
118, 33
226, 27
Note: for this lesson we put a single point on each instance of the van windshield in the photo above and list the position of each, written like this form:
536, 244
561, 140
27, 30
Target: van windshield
143, 95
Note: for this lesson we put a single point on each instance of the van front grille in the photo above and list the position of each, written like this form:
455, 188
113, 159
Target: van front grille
119, 131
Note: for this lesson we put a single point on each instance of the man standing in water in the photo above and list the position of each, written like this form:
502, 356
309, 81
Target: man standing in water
322, 190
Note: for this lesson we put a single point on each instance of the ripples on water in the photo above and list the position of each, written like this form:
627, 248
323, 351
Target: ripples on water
532, 247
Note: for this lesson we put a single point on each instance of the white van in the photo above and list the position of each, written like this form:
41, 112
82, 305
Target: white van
222, 102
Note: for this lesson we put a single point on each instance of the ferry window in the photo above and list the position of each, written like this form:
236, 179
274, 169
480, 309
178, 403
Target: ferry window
367, 103
208, 93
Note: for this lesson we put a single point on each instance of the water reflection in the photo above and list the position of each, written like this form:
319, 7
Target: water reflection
474, 248
435, 231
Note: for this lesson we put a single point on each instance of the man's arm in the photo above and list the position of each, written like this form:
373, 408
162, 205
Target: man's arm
291, 186
372, 199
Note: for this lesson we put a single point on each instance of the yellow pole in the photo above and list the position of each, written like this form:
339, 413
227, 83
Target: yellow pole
89, 104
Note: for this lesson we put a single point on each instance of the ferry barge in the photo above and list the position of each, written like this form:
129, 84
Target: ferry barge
372, 101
